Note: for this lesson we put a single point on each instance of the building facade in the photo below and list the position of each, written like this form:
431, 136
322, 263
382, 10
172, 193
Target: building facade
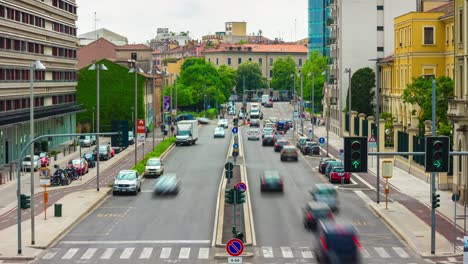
265, 55
30, 31
318, 31
116, 39
458, 106
139, 52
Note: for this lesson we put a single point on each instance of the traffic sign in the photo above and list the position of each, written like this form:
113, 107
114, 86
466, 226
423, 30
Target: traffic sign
241, 186
141, 126
322, 141
296, 116
235, 247
235, 130
311, 134
235, 145
167, 102
387, 169
228, 166
455, 197
372, 142
302, 115
234, 260
141, 137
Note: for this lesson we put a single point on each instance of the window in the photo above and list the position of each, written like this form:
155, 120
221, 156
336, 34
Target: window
271, 61
428, 36
300, 62
217, 61
379, 28
453, 34
239, 60
209, 59
460, 25
380, 7
380, 48
447, 35
410, 37
401, 38
404, 37
260, 61
271, 73
229, 61
250, 59
460, 76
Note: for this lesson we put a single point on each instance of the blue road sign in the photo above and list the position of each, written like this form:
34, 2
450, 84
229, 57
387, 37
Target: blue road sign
235, 130
235, 146
235, 247
241, 186
322, 140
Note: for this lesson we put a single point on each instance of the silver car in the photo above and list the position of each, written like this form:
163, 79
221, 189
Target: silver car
27, 163
154, 167
167, 184
253, 134
127, 181
219, 132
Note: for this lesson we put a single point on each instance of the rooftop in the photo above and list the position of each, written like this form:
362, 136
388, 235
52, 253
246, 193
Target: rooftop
134, 47
264, 48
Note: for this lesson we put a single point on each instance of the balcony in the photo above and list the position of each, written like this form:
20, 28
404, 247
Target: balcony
330, 22
458, 110
331, 41
331, 3
332, 79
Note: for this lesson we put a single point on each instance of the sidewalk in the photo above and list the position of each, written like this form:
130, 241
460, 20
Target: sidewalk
410, 206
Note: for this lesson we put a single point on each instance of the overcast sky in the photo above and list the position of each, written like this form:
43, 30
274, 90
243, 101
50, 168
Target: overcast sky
139, 19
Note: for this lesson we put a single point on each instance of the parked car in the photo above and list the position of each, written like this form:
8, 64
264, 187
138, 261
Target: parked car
338, 174
253, 134
80, 165
167, 184
90, 159
302, 142
154, 167
311, 148
271, 181
280, 144
85, 141
314, 212
27, 163
325, 192
104, 152
131, 138
332, 165
218, 132
44, 159
323, 164
289, 152
127, 181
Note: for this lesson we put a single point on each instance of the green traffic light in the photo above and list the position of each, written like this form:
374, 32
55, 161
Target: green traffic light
437, 163
356, 164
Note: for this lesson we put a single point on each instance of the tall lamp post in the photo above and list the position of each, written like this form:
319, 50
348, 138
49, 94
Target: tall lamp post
312, 99
377, 119
37, 65
154, 104
135, 69
348, 71
98, 68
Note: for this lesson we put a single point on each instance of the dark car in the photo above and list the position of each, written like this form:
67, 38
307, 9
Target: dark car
331, 165
254, 123
104, 152
315, 211
280, 144
311, 148
282, 125
167, 184
323, 164
90, 159
117, 150
337, 243
271, 181
268, 140
131, 138
289, 152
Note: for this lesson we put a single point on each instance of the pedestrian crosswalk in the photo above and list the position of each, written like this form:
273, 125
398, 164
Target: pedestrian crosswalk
203, 253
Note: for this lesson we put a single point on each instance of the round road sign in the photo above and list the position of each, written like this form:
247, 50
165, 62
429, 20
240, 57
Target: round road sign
241, 186
235, 145
235, 247
235, 130
228, 166
322, 140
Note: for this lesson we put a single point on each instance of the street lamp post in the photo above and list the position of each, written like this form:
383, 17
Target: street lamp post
92, 125
294, 99
37, 65
154, 105
312, 102
348, 71
135, 69
302, 104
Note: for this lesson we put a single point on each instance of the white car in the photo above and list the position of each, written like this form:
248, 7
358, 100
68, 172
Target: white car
223, 123
127, 181
253, 134
27, 163
218, 132
154, 167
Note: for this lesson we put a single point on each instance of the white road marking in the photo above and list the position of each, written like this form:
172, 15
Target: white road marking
267, 252
165, 253
89, 253
108, 253
306, 253
365, 253
127, 253
203, 253
381, 251
138, 242
287, 252
184, 253
70, 253
146, 253
363, 196
49, 255
401, 252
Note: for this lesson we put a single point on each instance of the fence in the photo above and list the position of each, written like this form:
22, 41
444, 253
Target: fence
403, 143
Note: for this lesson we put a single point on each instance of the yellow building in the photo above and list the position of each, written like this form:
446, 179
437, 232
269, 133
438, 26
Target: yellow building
424, 45
458, 106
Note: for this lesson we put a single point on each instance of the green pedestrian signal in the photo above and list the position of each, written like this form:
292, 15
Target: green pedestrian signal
435, 200
355, 154
25, 201
229, 196
437, 154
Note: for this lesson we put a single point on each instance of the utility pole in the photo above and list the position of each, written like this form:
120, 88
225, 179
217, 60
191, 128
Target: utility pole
328, 106
312, 102
433, 175
302, 105
348, 71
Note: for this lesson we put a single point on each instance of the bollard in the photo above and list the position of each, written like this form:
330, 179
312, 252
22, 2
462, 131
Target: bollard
64, 152
58, 210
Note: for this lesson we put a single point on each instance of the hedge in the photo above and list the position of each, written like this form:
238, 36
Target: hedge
158, 150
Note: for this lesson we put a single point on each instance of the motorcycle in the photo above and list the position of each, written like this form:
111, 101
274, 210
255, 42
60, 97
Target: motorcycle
73, 173
60, 177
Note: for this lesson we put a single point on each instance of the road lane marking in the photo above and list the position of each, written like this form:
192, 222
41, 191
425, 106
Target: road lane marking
146, 253
287, 252
70, 253
306, 253
138, 242
203, 253
127, 253
49, 255
267, 252
363, 196
365, 253
381, 251
108, 253
184, 253
165, 253
401, 252
89, 253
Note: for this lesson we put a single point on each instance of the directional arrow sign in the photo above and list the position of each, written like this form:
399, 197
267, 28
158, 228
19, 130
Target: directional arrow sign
437, 163
235, 146
235, 130
356, 164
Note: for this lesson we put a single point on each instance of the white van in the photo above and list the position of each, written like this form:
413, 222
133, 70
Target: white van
265, 99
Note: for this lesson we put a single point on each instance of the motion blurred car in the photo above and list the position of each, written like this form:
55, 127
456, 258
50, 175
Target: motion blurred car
325, 192
289, 152
268, 140
338, 174
218, 132
271, 181
90, 159
131, 138
323, 164
254, 123
314, 212
127, 181
280, 144
203, 120
253, 134
27, 163
311, 148
331, 165
337, 243
167, 184
154, 167
80, 165
223, 123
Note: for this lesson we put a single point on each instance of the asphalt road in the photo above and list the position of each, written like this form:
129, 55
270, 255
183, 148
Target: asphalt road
142, 228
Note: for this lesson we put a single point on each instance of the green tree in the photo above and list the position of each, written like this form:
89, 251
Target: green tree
419, 92
363, 94
227, 81
252, 72
283, 73
317, 64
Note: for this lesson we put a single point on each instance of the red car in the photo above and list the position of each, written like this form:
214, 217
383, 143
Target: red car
44, 159
337, 173
81, 165
112, 152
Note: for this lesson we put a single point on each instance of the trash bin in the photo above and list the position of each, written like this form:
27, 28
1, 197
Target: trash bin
58, 210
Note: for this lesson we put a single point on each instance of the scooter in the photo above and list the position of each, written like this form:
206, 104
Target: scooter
60, 177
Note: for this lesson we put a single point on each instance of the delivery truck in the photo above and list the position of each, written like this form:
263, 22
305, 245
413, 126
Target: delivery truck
187, 132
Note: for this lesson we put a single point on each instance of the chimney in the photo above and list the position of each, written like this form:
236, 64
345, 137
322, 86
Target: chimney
419, 5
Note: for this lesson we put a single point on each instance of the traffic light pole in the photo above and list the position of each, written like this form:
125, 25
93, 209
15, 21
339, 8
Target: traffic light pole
433, 175
234, 231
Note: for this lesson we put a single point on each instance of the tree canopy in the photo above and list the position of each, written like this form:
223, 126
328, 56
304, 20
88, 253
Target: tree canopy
316, 64
252, 72
283, 73
362, 89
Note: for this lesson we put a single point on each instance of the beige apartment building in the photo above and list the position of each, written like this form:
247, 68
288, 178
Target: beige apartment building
263, 54
29, 31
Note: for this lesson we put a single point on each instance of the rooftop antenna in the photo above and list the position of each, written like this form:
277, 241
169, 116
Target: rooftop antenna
295, 31
95, 25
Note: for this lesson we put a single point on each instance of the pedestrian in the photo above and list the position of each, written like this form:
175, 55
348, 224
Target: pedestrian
172, 130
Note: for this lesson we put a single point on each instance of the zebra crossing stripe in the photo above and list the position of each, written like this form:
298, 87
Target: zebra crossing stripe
146, 253
306, 252
203, 253
89, 253
49, 255
267, 252
70, 253
400, 252
184, 253
165, 253
108, 253
381, 251
287, 252
127, 253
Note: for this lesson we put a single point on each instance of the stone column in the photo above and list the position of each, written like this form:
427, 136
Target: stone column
370, 121
397, 127
412, 131
415, 121
351, 123
362, 117
428, 128
381, 139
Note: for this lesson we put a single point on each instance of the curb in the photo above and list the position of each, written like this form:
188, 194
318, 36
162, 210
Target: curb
225, 255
